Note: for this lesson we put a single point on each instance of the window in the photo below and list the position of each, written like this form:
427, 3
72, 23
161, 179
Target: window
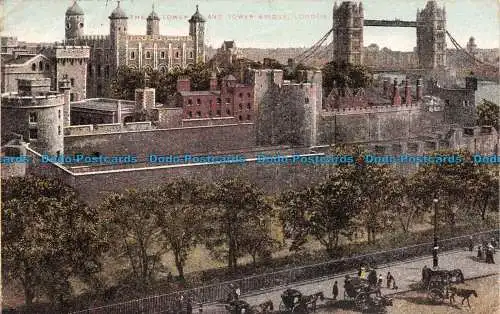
190, 101
33, 117
162, 55
306, 100
241, 95
119, 28
81, 25
198, 114
72, 82
198, 101
190, 114
47, 67
249, 106
59, 114
218, 113
177, 54
240, 118
33, 67
248, 117
228, 112
59, 130
40, 66
228, 100
249, 95
33, 134
219, 101
148, 55
132, 55
191, 54
241, 106
72, 97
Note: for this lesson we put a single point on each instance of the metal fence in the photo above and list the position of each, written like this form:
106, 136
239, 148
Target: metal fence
213, 293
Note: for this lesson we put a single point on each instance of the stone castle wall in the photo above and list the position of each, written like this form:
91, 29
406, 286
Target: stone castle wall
375, 124
166, 141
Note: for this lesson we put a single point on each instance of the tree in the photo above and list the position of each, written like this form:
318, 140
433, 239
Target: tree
238, 205
131, 219
342, 75
401, 203
488, 113
125, 83
182, 217
48, 236
324, 212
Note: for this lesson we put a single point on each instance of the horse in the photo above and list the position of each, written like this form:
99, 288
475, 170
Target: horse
311, 299
266, 307
464, 293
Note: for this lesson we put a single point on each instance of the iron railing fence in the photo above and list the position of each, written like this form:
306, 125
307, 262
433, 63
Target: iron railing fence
253, 284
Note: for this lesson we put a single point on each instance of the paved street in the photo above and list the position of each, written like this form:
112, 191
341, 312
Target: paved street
405, 274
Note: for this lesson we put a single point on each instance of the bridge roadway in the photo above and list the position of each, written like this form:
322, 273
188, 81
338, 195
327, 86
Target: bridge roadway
405, 274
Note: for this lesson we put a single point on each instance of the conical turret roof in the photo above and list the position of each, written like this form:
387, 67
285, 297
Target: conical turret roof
197, 17
74, 9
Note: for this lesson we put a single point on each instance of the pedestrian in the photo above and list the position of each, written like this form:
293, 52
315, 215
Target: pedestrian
237, 293
372, 277
394, 287
360, 271
471, 244
479, 252
389, 279
335, 290
170, 278
363, 273
380, 281
494, 243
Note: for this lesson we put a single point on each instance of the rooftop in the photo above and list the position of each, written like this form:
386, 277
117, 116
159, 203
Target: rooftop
200, 93
104, 104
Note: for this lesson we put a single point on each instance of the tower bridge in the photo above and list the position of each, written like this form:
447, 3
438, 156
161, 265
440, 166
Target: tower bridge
430, 24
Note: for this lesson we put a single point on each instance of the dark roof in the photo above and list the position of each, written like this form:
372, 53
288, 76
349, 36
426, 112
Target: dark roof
197, 17
20, 59
74, 9
118, 13
102, 105
229, 44
153, 15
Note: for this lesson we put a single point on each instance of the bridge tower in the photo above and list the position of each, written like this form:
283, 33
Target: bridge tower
348, 33
431, 36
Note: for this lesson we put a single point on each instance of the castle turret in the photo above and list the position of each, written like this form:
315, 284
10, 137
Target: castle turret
396, 98
153, 23
213, 82
117, 35
431, 36
197, 31
407, 92
74, 23
348, 33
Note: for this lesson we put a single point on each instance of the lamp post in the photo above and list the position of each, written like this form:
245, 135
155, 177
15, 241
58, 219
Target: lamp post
435, 247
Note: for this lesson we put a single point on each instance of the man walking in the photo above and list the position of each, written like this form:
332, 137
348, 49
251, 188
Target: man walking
389, 279
335, 290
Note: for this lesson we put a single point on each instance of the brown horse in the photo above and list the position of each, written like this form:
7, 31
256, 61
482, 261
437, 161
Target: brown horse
464, 293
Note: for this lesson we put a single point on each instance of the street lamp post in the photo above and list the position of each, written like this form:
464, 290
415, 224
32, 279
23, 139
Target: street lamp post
435, 247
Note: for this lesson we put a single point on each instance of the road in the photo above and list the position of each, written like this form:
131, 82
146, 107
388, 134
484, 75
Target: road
405, 274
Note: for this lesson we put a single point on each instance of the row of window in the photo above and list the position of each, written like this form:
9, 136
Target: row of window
40, 66
99, 71
218, 114
33, 134
33, 119
71, 61
162, 55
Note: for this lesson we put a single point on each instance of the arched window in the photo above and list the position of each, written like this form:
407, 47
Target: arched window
177, 54
249, 106
198, 101
33, 67
306, 100
148, 55
132, 55
190, 54
81, 25
240, 118
40, 66
190, 101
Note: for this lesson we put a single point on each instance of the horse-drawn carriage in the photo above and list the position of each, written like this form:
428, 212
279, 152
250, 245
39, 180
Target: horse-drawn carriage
242, 307
293, 301
365, 296
438, 282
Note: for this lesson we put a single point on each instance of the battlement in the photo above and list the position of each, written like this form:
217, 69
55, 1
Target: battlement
95, 37
48, 99
161, 38
431, 10
373, 109
73, 52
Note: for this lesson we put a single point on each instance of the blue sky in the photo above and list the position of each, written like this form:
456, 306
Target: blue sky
297, 23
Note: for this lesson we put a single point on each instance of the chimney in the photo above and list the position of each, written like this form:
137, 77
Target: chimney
386, 88
419, 89
183, 84
407, 93
396, 99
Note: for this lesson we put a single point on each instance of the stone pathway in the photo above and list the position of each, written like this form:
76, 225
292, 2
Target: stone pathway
405, 274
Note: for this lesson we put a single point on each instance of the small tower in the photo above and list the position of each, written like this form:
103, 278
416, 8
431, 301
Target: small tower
117, 35
197, 32
348, 33
73, 23
153, 24
431, 36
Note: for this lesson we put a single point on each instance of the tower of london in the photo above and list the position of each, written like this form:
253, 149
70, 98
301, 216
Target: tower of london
152, 51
